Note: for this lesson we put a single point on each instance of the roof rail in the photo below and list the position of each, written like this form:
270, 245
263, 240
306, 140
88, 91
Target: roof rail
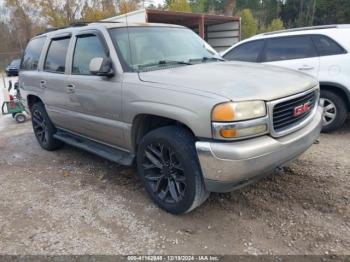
302, 29
76, 24
84, 23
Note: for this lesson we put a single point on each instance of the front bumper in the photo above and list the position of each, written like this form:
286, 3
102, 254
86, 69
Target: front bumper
228, 166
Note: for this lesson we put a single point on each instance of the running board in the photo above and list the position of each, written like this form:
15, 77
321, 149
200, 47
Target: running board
110, 153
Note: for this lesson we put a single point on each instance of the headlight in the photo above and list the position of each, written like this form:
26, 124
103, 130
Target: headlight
235, 120
237, 111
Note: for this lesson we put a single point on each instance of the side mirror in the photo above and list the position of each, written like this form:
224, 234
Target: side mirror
101, 67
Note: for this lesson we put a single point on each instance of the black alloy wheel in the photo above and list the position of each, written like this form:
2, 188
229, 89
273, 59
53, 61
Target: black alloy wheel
40, 126
44, 129
164, 173
168, 165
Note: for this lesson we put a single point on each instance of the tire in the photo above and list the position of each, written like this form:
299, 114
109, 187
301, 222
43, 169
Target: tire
20, 118
335, 111
168, 165
43, 128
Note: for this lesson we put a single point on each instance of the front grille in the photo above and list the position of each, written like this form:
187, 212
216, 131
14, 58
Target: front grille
283, 113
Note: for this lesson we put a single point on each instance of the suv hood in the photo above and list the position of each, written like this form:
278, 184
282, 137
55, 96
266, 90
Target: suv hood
236, 81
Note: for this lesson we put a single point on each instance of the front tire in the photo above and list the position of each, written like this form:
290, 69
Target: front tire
334, 111
168, 165
44, 129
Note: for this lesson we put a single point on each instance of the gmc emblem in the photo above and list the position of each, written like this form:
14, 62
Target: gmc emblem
299, 110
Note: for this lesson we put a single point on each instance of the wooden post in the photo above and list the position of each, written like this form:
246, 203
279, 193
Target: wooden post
201, 27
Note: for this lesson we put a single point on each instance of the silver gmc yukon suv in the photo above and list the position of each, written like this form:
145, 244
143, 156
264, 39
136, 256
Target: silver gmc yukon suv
159, 96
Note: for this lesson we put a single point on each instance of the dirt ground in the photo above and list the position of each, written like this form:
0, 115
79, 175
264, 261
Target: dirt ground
72, 202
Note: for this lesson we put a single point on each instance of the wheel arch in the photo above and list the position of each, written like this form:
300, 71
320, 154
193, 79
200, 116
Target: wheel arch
338, 89
32, 99
144, 123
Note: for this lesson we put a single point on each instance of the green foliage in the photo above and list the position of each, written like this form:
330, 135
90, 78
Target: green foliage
276, 24
248, 24
199, 6
180, 5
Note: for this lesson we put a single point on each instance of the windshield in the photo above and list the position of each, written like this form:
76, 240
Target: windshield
147, 48
15, 63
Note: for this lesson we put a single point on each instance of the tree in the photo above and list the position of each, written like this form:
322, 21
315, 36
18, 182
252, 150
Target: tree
97, 10
229, 7
24, 18
126, 6
248, 24
60, 14
198, 6
180, 5
276, 24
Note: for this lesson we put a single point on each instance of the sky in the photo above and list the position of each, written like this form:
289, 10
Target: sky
156, 2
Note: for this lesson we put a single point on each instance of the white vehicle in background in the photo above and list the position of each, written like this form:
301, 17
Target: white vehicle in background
321, 51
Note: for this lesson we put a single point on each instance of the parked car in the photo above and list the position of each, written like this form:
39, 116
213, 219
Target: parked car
13, 68
159, 96
321, 51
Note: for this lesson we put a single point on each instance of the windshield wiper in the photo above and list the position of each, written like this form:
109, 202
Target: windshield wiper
165, 62
207, 58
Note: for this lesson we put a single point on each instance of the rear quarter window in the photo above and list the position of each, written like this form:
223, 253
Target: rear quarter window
326, 46
32, 54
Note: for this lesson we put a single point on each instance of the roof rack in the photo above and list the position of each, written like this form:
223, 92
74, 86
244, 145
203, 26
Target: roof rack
302, 29
84, 23
76, 24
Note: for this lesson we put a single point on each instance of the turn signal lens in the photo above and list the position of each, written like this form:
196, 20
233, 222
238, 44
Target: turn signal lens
242, 132
237, 111
228, 133
223, 112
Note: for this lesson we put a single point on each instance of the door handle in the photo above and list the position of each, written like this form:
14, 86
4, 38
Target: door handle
42, 83
306, 68
70, 88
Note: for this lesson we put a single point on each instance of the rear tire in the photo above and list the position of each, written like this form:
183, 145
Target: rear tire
168, 165
335, 111
44, 129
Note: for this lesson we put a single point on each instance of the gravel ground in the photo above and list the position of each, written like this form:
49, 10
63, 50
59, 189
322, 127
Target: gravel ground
72, 202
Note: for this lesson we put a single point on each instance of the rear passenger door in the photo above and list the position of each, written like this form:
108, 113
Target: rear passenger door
29, 75
94, 101
294, 52
53, 80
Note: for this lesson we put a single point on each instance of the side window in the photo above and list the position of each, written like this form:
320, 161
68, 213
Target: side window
326, 46
56, 55
87, 47
248, 52
286, 48
32, 53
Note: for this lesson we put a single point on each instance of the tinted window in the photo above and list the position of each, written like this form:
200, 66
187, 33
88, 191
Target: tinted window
86, 48
56, 56
32, 53
326, 46
248, 52
286, 48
